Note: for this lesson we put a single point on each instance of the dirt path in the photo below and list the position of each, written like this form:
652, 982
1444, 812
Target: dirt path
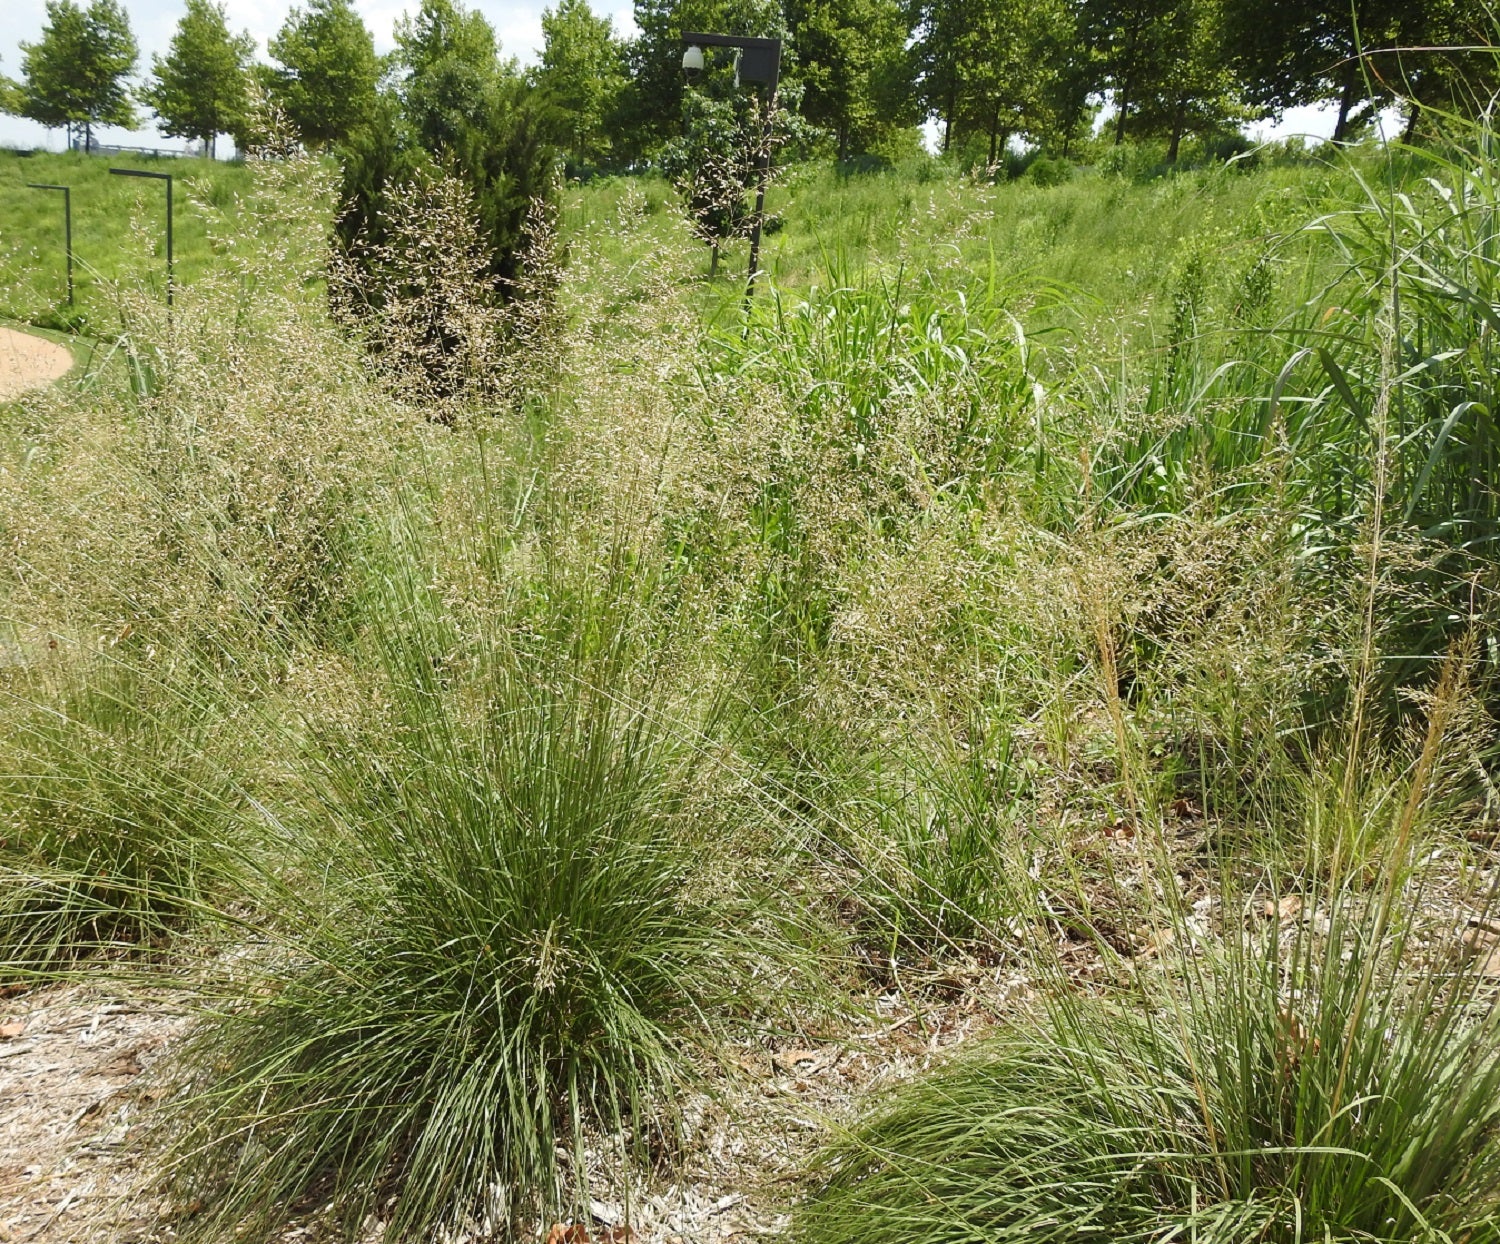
28, 362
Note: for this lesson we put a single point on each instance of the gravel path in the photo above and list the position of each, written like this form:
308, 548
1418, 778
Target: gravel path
28, 362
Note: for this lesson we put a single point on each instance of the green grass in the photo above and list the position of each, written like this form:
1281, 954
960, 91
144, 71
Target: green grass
119, 232
1247, 1106
497, 940
1318, 1064
117, 805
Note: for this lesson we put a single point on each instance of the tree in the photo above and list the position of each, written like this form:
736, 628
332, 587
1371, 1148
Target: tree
327, 82
449, 65
12, 99
201, 88
1133, 43
1444, 60
582, 76
940, 56
852, 66
1289, 54
1011, 62
457, 119
75, 74
1070, 95
1195, 92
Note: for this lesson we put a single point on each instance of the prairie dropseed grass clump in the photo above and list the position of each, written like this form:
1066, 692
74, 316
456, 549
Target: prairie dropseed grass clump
498, 945
119, 807
1324, 1098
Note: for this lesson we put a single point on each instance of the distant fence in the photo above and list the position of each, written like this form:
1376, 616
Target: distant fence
107, 149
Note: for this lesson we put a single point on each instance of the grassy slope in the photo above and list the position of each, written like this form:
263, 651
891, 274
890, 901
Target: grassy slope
1095, 250
118, 229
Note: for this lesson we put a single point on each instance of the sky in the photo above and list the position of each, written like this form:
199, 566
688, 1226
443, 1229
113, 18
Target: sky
517, 22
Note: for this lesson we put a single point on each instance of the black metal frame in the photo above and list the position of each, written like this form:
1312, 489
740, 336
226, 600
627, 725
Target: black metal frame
67, 194
166, 177
759, 61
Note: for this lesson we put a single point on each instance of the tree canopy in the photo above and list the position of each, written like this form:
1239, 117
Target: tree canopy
75, 74
582, 76
200, 89
329, 70
858, 76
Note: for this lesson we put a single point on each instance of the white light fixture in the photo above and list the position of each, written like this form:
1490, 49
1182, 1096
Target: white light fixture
692, 60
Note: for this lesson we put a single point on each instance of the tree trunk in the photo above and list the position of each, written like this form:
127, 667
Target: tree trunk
843, 143
1120, 117
1346, 105
1410, 134
1179, 121
951, 109
88, 138
994, 129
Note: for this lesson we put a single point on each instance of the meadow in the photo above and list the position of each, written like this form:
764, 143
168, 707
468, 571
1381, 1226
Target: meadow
993, 741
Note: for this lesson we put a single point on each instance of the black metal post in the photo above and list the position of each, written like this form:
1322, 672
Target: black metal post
67, 195
166, 177
759, 62
760, 197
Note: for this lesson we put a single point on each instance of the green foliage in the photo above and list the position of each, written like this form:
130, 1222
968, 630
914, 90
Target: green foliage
1329, 1096
926, 848
326, 83
1193, 92
201, 88
464, 111
463, 121
75, 75
582, 76
716, 166
851, 62
653, 107
989, 68
1304, 54
12, 97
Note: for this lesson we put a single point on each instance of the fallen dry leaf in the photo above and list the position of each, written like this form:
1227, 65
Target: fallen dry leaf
126, 1064
11, 1030
790, 1059
1288, 908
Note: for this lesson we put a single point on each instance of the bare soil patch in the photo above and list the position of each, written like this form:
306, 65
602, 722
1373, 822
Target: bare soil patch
71, 1095
28, 362
77, 1092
